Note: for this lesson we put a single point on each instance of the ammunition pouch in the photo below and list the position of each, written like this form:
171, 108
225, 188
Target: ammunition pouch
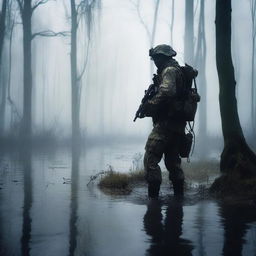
185, 145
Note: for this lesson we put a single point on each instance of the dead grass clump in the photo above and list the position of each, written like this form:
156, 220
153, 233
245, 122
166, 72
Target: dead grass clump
120, 181
114, 180
137, 176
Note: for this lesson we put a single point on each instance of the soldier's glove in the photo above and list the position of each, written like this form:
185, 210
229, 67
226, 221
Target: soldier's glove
149, 109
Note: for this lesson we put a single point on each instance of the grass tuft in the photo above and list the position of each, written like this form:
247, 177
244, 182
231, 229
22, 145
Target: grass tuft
120, 181
114, 180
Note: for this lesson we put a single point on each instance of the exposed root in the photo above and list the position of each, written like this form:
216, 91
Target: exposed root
231, 185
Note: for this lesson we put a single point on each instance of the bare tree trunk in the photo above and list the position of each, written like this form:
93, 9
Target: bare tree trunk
74, 81
172, 21
154, 23
189, 32
2, 28
150, 33
153, 34
3, 92
200, 60
15, 115
2, 71
253, 90
26, 13
238, 162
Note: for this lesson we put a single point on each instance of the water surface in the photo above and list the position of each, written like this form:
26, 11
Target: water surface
48, 209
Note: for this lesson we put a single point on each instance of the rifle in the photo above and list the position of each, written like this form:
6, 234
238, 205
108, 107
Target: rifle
149, 93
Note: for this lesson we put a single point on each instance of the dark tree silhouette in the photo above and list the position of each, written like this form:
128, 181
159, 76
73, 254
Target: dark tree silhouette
26, 11
74, 83
238, 162
189, 32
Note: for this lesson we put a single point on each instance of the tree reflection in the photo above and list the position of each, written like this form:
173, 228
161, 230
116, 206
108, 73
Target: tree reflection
74, 200
26, 227
165, 237
236, 220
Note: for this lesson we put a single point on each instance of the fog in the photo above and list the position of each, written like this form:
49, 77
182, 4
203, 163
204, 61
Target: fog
86, 92
118, 66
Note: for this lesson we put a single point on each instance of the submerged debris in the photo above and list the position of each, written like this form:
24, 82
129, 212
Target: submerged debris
66, 181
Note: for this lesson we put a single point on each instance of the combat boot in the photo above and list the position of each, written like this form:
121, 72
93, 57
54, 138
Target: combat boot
178, 187
153, 189
177, 179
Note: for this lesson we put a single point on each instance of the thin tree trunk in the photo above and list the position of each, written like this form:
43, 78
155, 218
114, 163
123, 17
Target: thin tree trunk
3, 92
153, 34
2, 28
3, 71
154, 23
14, 109
74, 81
189, 32
26, 131
200, 60
172, 21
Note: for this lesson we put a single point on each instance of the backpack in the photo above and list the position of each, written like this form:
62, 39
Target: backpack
190, 99
189, 95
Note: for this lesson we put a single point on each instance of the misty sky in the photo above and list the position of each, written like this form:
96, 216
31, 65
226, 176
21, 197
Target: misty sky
118, 69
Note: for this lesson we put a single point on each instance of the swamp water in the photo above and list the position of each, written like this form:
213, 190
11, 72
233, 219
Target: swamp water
46, 208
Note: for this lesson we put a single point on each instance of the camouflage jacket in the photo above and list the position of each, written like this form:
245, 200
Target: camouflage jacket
161, 106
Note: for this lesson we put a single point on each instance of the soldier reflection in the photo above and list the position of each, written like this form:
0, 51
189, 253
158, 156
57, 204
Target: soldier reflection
165, 237
74, 200
236, 222
26, 227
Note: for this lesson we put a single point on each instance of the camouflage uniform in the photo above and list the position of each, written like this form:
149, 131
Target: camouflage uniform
167, 134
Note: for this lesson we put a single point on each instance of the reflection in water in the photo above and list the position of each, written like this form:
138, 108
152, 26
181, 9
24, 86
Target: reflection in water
55, 220
236, 222
201, 227
165, 238
74, 200
26, 227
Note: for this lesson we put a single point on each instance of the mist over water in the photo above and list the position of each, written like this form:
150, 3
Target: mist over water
46, 204
47, 209
118, 68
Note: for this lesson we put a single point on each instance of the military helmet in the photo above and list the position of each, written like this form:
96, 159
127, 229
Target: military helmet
162, 49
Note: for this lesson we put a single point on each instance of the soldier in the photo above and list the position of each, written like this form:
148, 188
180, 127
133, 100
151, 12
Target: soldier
169, 129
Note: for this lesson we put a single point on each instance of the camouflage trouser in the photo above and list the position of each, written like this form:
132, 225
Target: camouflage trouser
161, 143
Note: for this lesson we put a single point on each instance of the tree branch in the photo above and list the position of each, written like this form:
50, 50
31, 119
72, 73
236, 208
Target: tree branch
85, 62
50, 33
20, 3
39, 3
137, 6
